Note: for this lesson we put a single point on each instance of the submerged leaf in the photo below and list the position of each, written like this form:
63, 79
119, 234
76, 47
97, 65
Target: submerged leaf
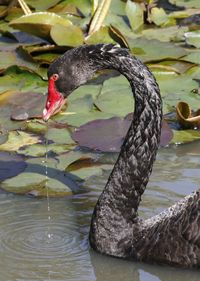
35, 181
10, 165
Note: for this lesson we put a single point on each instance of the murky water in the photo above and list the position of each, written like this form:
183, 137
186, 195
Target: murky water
49, 242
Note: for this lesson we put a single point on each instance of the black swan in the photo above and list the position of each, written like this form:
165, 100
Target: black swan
172, 237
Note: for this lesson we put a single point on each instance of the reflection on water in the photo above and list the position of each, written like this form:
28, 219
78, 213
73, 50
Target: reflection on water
28, 253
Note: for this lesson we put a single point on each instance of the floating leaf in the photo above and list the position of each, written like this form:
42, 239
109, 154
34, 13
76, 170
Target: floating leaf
42, 5
193, 38
135, 13
104, 135
113, 92
80, 118
38, 150
193, 57
185, 116
186, 3
17, 139
158, 16
70, 35
108, 135
60, 136
10, 165
101, 35
39, 23
184, 136
154, 50
166, 34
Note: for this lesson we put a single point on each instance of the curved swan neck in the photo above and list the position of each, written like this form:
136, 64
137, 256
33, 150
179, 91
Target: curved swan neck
133, 167
118, 203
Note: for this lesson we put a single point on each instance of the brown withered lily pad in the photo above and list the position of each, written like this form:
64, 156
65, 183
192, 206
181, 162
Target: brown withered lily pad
108, 135
26, 105
185, 117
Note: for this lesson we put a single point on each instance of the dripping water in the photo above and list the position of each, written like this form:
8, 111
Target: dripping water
49, 234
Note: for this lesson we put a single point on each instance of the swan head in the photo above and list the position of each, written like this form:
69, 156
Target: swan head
66, 74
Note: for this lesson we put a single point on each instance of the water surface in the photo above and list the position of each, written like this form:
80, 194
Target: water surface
38, 242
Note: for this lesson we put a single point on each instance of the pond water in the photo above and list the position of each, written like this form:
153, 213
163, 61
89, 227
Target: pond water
49, 242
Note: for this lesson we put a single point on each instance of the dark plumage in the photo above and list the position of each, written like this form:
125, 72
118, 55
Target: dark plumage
172, 237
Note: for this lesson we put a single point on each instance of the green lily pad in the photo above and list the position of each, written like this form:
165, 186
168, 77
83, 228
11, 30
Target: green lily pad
39, 23
85, 173
113, 92
84, 91
34, 180
60, 136
42, 5
184, 136
166, 34
193, 57
39, 150
177, 88
35, 126
158, 16
70, 35
193, 38
135, 13
154, 50
78, 119
82, 104
70, 157
186, 3
101, 35
17, 139
14, 79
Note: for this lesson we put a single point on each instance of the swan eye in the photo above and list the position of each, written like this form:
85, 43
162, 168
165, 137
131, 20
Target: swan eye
55, 76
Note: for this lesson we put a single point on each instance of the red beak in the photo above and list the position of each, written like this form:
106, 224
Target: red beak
55, 101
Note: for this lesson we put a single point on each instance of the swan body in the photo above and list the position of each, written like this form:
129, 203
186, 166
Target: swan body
172, 237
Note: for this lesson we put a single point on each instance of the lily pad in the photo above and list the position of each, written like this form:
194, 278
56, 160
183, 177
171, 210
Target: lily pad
185, 116
154, 50
23, 105
35, 181
39, 23
78, 119
114, 91
108, 135
103, 135
42, 5
18, 139
193, 57
70, 35
158, 16
166, 34
17, 80
186, 3
193, 38
10, 165
135, 13
185, 136
101, 35
60, 136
